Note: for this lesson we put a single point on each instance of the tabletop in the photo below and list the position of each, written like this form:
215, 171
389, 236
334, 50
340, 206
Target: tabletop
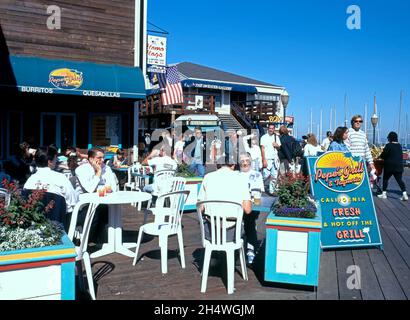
119, 197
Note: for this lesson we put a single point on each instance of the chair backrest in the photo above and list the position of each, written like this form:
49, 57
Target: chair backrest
67, 173
175, 202
5, 196
219, 216
162, 181
177, 184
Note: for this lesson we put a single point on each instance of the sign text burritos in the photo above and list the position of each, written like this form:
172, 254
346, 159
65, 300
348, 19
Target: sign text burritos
341, 185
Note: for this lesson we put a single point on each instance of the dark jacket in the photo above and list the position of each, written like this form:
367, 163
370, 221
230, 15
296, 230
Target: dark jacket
192, 142
286, 148
393, 157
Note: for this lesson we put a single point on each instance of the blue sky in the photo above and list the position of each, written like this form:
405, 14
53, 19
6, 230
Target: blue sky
303, 45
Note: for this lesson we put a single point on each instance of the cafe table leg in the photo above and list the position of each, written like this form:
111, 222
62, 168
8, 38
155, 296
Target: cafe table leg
109, 247
120, 247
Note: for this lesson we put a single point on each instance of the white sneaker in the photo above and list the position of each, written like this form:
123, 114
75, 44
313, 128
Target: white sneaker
405, 197
382, 195
250, 256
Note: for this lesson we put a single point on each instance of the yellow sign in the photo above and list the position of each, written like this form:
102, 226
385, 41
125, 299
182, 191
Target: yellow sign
66, 78
274, 119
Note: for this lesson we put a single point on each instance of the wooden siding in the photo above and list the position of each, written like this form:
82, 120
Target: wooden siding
100, 31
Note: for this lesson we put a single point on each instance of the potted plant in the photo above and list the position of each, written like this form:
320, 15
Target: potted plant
37, 260
193, 185
293, 234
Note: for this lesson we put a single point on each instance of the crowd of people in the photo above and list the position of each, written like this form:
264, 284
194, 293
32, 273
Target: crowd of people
248, 163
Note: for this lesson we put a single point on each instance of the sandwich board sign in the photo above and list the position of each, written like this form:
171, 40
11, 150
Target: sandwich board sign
340, 183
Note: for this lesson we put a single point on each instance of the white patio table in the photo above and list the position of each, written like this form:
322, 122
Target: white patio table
114, 201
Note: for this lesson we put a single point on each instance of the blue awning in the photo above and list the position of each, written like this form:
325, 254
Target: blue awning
209, 84
39, 75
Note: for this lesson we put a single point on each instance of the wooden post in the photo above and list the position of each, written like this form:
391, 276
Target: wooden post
212, 105
152, 104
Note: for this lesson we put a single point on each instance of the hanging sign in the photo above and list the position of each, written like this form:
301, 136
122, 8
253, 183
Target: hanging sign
341, 185
157, 51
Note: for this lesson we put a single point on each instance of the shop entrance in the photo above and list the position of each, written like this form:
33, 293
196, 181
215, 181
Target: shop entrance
58, 128
238, 96
105, 129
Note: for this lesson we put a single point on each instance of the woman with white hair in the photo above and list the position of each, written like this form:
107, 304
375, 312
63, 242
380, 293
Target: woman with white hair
254, 150
255, 184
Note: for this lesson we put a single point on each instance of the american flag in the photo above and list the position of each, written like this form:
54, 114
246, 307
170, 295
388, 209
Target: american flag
171, 87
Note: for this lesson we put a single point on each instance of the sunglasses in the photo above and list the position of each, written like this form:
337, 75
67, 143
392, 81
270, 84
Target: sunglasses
358, 121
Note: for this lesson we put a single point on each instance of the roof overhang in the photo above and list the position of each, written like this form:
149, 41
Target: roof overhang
272, 90
218, 85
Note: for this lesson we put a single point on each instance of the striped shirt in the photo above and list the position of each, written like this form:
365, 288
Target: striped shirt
358, 144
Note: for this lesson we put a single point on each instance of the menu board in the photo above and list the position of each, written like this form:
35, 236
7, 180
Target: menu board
340, 184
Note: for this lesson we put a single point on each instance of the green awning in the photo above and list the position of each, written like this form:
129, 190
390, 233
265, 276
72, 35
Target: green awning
39, 75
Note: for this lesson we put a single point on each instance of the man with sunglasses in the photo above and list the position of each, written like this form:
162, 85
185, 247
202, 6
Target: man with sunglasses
357, 141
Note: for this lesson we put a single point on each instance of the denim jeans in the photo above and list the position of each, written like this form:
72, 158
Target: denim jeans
198, 168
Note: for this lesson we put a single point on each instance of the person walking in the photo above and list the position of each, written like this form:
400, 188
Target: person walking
357, 141
327, 141
286, 155
393, 165
312, 147
198, 153
339, 138
270, 144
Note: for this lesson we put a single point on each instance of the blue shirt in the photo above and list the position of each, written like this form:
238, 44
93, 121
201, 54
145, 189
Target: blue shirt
335, 146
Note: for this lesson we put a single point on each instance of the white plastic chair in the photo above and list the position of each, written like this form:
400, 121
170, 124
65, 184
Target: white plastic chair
222, 215
67, 173
173, 184
130, 184
162, 180
81, 250
167, 223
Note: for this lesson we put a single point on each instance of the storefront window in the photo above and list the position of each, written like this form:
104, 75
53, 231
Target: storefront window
14, 131
58, 129
105, 130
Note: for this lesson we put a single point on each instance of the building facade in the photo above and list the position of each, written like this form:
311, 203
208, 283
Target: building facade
71, 72
210, 91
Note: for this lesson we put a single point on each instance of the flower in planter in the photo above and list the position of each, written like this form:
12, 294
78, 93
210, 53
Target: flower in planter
23, 223
293, 198
184, 171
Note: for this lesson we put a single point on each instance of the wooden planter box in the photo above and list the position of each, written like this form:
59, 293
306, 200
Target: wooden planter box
193, 185
46, 273
293, 250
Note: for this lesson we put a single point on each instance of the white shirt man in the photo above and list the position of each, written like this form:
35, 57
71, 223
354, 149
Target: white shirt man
326, 143
227, 185
54, 182
163, 163
160, 162
94, 174
47, 179
270, 143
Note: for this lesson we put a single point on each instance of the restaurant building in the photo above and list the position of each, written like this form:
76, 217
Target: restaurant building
206, 90
71, 73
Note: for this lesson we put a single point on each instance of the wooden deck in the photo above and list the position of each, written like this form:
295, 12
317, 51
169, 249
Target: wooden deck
384, 274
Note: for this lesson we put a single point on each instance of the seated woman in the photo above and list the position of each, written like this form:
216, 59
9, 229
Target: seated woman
118, 160
255, 182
